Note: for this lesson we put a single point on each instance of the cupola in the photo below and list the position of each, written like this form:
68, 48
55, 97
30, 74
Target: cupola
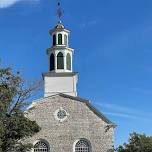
60, 54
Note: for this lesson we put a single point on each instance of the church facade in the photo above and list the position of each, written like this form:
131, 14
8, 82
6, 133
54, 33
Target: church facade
68, 123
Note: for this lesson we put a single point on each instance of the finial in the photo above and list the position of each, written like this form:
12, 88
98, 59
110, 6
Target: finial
60, 11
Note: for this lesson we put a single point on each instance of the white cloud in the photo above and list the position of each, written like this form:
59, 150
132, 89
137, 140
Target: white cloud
124, 112
118, 114
88, 24
8, 3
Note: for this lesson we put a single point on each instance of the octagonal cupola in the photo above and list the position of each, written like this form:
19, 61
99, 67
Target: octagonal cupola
60, 78
60, 54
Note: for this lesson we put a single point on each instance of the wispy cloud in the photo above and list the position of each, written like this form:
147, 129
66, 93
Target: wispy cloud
88, 24
8, 3
124, 112
117, 114
142, 91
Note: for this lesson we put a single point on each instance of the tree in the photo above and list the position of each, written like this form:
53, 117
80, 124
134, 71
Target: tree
137, 143
14, 126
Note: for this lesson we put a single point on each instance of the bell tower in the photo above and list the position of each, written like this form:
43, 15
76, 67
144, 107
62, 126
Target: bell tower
60, 77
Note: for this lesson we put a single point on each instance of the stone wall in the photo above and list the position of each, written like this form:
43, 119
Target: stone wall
80, 123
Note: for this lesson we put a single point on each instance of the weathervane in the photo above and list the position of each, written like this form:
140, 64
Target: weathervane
60, 11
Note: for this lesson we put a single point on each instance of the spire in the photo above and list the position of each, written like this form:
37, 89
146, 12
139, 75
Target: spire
60, 78
60, 11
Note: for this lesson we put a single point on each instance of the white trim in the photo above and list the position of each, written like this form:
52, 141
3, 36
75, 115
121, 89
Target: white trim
42, 140
56, 115
89, 143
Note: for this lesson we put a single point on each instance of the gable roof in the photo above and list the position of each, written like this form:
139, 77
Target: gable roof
91, 107
87, 102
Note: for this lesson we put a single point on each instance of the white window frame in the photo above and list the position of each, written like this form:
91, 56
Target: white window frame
41, 140
56, 115
74, 145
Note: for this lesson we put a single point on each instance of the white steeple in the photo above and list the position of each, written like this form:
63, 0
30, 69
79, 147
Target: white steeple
60, 78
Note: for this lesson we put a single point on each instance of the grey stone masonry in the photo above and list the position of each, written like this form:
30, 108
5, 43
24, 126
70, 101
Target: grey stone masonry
82, 121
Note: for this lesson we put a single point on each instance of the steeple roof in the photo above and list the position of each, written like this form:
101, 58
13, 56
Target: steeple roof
59, 25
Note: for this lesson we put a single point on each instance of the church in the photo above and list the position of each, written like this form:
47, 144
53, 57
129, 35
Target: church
68, 122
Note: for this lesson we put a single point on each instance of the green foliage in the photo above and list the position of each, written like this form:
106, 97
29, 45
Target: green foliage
137, 143
14, 126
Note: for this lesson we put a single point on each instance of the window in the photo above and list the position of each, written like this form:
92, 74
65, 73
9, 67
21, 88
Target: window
65, 39
60, 61
68, 61
61, 115
51, 62
54, 39
82, 146
41, 147
60, 39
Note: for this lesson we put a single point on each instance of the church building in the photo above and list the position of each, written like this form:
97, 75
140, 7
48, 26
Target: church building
68, 122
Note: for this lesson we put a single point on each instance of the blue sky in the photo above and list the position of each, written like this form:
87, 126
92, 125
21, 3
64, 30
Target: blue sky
113, 52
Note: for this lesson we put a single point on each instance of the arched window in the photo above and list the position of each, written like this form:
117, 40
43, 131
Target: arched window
68, 61
41, 147
51, 62
65, 39
82, 146
60, 61
60, 39
54, 39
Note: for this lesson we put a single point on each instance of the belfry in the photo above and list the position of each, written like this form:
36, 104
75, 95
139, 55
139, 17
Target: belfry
60, 78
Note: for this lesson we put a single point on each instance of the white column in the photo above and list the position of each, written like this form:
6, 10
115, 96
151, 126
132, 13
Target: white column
64, 60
